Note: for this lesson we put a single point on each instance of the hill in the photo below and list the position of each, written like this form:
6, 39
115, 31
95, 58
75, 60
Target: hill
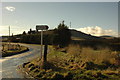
75, 35
80, 35
107, 37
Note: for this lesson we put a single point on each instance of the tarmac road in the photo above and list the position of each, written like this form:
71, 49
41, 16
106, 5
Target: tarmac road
10, 64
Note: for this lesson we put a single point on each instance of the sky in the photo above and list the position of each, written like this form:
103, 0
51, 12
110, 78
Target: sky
59, 0
96, 18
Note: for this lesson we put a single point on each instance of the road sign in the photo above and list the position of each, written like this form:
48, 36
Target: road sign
41, 27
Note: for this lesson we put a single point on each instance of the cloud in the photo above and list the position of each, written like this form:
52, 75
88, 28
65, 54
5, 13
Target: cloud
10, 8
97, 31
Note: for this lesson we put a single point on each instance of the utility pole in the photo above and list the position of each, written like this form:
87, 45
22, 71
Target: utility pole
9, 39
70, 24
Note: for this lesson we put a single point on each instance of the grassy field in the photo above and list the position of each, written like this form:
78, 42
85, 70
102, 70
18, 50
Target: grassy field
12, 49
77, 63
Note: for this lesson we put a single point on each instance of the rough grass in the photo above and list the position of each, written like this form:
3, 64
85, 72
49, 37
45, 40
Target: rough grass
96, 56
13, 49
79, 63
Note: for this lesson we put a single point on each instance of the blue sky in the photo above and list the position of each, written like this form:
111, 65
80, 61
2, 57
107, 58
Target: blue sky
99, 18
59, 0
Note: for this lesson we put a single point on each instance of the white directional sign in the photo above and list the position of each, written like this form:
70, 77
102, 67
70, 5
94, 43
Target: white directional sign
41, 27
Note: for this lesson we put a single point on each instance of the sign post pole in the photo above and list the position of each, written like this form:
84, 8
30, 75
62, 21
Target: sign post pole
41, 42
41, 27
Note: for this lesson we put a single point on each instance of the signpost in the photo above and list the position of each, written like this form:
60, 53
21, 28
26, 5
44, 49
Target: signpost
41, 27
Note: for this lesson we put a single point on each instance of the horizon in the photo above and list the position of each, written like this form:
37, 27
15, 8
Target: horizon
53, 29
93, 18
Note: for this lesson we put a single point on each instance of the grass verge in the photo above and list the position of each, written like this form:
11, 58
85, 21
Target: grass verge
13, 51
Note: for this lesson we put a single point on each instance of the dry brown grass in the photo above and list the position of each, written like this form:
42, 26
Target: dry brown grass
74, 50
12, 49
87, 54
78, 63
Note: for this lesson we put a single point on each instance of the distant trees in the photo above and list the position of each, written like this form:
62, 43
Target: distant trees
29, 32
62, 35
12, 35
59, 36
24, 32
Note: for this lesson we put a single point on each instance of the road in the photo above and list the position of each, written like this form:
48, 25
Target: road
10, 64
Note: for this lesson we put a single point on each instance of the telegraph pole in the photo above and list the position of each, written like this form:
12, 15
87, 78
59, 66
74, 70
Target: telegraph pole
9, 39
70, 24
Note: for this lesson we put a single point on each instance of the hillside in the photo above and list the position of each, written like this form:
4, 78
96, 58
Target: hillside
75, 35
107, 37
81, 35
78, 35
